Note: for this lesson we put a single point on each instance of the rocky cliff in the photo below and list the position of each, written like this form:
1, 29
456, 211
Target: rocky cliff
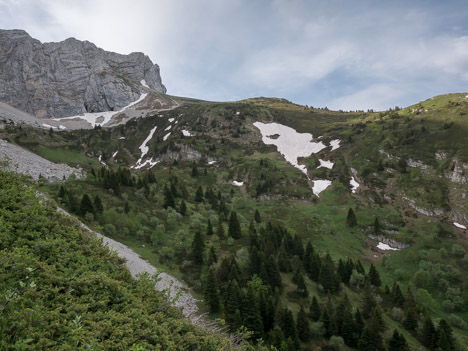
70, 77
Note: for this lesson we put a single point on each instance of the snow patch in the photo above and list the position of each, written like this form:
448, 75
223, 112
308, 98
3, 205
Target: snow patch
290, 143
171, 120
115, 154
144, 149
101, 161
61, 127
335, 144
326, 164
168, 128
166, 136
48, 126
121, 138
211, 162
383, 246
320, 185
236, 183
354, 185
186, 133
149, 162
237, 113
458, 225
91, 118
143, 82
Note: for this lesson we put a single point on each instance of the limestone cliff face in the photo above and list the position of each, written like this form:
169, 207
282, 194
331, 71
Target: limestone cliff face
70, 77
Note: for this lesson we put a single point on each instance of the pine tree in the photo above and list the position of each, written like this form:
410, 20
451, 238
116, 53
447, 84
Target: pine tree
211, 292
286, 323
61, 193
301, 286
410, 322
358, 323
397, 296
198, 247
220, 228
257, 217
326, 319
168, 198
303, 330
232, 303
234, 230
446, 341
397, 342
374, 276
98, 207
315, 311
86, 205
377, 225
429, 335
183, 208
127, 207
351, 220
270, 273
194, 171
199, 194
370, 340
212, 257
348, 328
276, 337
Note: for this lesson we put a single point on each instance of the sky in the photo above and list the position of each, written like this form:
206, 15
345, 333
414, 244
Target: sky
340, 54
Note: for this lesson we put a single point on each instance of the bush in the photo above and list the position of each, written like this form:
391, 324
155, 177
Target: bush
456, 321
337, 342
457, 250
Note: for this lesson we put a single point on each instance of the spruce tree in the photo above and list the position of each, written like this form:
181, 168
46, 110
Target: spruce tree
209, 228
183, 208
212, 257
126, 207
232, 303
397, 342
257, 217
220, 228
397, 296
211, 292
234, 230
98, 207
370, 340
446, 341
61, 193
251, 314
168, 198
377, 225
199, 194
358, 323
410, 322
351, 220
315, 311
348, 328
429, 335
301, 286
198, 247
86, 205
374, 276
303, 329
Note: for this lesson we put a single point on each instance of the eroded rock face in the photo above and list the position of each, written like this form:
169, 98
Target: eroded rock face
70, 77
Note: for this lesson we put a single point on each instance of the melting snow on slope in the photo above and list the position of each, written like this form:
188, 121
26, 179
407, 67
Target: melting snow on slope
211, 162
320, 185
144, 149
166, 136
143, 82
458, 225
48, 126
115, 154
168, 128
92, 117
101, 161
326, 164
186, 133
236, 183
171, 120
147, 162
383, 246
354, 185
335, 144
290, 143
121, 138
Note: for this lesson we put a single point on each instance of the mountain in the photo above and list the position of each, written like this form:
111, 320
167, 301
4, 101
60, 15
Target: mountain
312, 228
71, 77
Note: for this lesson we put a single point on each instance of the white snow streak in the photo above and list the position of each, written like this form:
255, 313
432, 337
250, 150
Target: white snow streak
335, 144
236, 183
186, 133
354, 185
211, 162
115, 154
144, 149
171, 120
48, 126
166, 136
458, 225
143, 82
107, 115
168, 128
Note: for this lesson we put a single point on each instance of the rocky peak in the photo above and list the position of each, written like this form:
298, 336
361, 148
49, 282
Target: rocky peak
70, 77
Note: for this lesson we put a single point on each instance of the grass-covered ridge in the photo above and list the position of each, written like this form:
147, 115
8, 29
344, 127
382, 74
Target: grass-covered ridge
61, 290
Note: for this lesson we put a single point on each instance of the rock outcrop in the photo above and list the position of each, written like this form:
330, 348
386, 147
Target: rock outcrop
71, 77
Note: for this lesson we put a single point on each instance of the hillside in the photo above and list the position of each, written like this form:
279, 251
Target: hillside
61, 290
284, 238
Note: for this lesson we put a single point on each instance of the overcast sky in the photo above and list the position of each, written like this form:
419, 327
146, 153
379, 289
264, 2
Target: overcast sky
341, 54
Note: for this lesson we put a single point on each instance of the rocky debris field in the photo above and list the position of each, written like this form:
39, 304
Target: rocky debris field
25, 162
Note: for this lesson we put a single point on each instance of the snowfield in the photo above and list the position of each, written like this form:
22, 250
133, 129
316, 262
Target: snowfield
326, 164
236, 183
143, 82
458, 225
167, 136
186, 133
92, 118
144, 149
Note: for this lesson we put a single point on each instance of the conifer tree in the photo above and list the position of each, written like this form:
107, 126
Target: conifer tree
303, 329
429, 335
358, 323
446, 341
301, 286
374, 276
98, 207
287, 324
212, 257
199, 194
370, 340
351, 220
61, 193
271, 273
257, 217
183, 208
276, 337
194, 171
251, 314
348, 328
326, 319
198, 247
220, 228
232, 303
168, 198
209, 228
410, 322
397, 342
126, 207
86, 205
397, 296
376, 225
234, 230
315, 311
211, 292
309, 251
